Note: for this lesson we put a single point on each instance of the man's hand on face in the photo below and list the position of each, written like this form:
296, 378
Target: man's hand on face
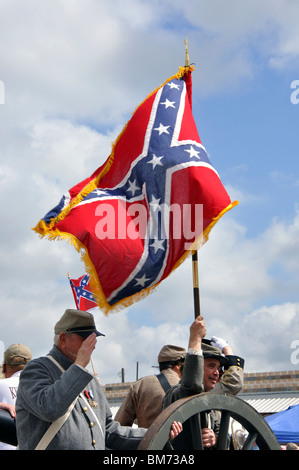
85, 351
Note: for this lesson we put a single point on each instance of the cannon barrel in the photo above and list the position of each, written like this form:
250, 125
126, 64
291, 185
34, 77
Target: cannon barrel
8, 432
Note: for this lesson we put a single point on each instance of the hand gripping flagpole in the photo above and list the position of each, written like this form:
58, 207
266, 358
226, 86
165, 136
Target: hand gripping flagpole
194, 254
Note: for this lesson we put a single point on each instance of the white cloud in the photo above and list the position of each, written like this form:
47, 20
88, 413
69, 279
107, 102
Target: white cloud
126, 344
64, 151
263, 338
73, 72
7, 175
85, 50
235, 276
266, 335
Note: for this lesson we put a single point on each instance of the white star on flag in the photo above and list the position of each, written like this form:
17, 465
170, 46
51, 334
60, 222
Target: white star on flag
156, 161
158, 245
193, 153
142, 280
162, 129
133, 187
168, 104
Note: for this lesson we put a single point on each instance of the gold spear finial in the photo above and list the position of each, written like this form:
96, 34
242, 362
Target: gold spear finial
187, 59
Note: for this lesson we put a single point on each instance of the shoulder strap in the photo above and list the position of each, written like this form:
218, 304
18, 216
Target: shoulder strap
164, 382
54, 428
56, 363
56, 425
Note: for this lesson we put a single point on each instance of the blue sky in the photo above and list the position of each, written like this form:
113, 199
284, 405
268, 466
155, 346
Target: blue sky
73, 73
251, 134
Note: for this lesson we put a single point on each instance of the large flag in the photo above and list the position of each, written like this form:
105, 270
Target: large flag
157, 196
83, 296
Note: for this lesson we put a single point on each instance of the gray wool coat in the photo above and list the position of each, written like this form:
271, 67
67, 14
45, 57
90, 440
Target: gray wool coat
45, 393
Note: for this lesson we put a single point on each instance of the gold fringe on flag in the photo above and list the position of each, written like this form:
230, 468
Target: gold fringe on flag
47, 230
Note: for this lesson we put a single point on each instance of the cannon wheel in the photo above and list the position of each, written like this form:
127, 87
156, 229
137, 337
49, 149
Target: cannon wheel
192, 408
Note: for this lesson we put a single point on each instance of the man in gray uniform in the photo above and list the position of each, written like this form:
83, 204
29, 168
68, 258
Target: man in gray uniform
58, 389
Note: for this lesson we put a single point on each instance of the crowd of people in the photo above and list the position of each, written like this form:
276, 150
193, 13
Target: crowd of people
185, 373
58, 404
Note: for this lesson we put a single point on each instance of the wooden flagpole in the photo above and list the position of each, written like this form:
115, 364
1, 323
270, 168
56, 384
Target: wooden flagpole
187, 59
195, 284
203, 416
194, 253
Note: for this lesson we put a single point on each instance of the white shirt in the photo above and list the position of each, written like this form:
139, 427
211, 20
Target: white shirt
8, 394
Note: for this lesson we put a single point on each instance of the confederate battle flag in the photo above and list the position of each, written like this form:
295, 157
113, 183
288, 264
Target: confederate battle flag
83, 296
156, 197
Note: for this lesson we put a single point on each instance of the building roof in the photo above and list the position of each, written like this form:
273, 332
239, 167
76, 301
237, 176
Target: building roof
271, 402
264, 403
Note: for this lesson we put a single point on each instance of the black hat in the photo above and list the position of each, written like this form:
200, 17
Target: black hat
211, 351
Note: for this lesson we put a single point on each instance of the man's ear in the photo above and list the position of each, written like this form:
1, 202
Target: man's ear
177, 369
62, 341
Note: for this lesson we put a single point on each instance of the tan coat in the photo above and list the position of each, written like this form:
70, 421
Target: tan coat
144, 400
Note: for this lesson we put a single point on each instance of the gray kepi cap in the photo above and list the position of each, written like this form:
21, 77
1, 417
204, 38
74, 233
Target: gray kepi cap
77, 321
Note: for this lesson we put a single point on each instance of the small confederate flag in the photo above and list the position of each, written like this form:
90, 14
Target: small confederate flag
157, 196
84, 298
